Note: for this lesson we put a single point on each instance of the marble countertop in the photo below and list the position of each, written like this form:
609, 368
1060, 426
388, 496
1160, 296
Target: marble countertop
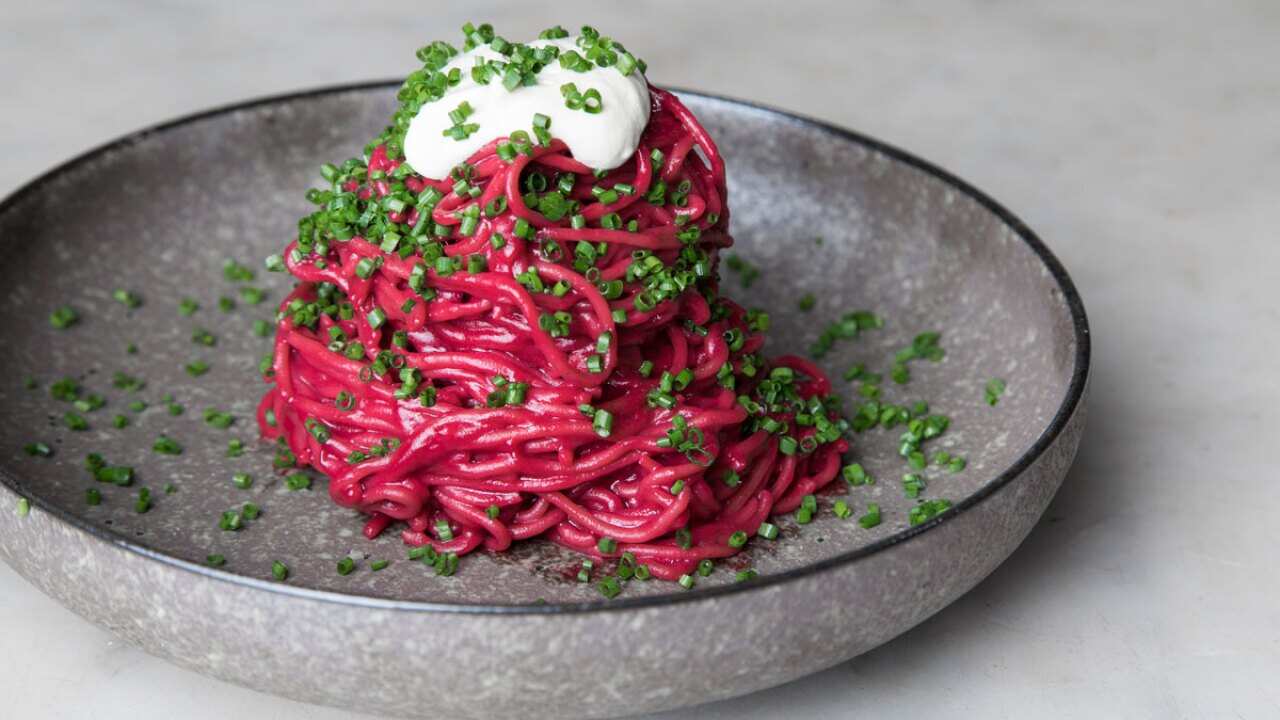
1141, 140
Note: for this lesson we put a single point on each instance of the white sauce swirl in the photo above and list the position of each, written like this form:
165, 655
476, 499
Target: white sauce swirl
602, 141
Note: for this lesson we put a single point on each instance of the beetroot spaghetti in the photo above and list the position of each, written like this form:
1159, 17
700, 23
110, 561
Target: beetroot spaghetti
531, 347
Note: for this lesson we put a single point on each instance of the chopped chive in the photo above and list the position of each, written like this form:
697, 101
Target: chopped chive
226, 304
235, 447
242, 480
443, 530
745, 575
197, 368
63, 317
297, 481
279, 571
927, 510
215, 560
912, 485
346, 566
89, 403
994, 389
37, 449
738, 539
251, 511
120, 421
230, 521
217, 419
602, 423
261, 328
768, 531
377, 565
871, 518
900, 374
188, 307
607, 545
842, 509
855, 475
92, 496
24, 507
609, 587
126, 298
705, 567
686, 582
75, 422
166, 446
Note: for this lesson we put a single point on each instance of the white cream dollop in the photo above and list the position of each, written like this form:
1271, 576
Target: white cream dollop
602, 140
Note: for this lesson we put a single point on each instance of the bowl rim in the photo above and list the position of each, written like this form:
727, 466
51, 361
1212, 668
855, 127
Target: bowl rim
1071, 401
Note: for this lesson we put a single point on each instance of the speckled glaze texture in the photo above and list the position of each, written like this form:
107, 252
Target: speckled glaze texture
511, 634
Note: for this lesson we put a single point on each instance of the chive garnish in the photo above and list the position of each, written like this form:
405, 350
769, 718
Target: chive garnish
994, 389
609, 587
231, 520
927, 510
166, 446
233, 271
279, 571
63, 317
126, 298
217, 419
143, 502
203, 337
871, 518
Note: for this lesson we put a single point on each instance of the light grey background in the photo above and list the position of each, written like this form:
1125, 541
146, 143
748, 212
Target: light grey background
1141, 140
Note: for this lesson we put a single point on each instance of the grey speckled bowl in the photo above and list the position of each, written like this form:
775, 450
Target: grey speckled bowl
159, 211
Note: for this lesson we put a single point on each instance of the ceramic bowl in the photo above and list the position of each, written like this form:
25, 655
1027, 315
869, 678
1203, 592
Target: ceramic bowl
859, 224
